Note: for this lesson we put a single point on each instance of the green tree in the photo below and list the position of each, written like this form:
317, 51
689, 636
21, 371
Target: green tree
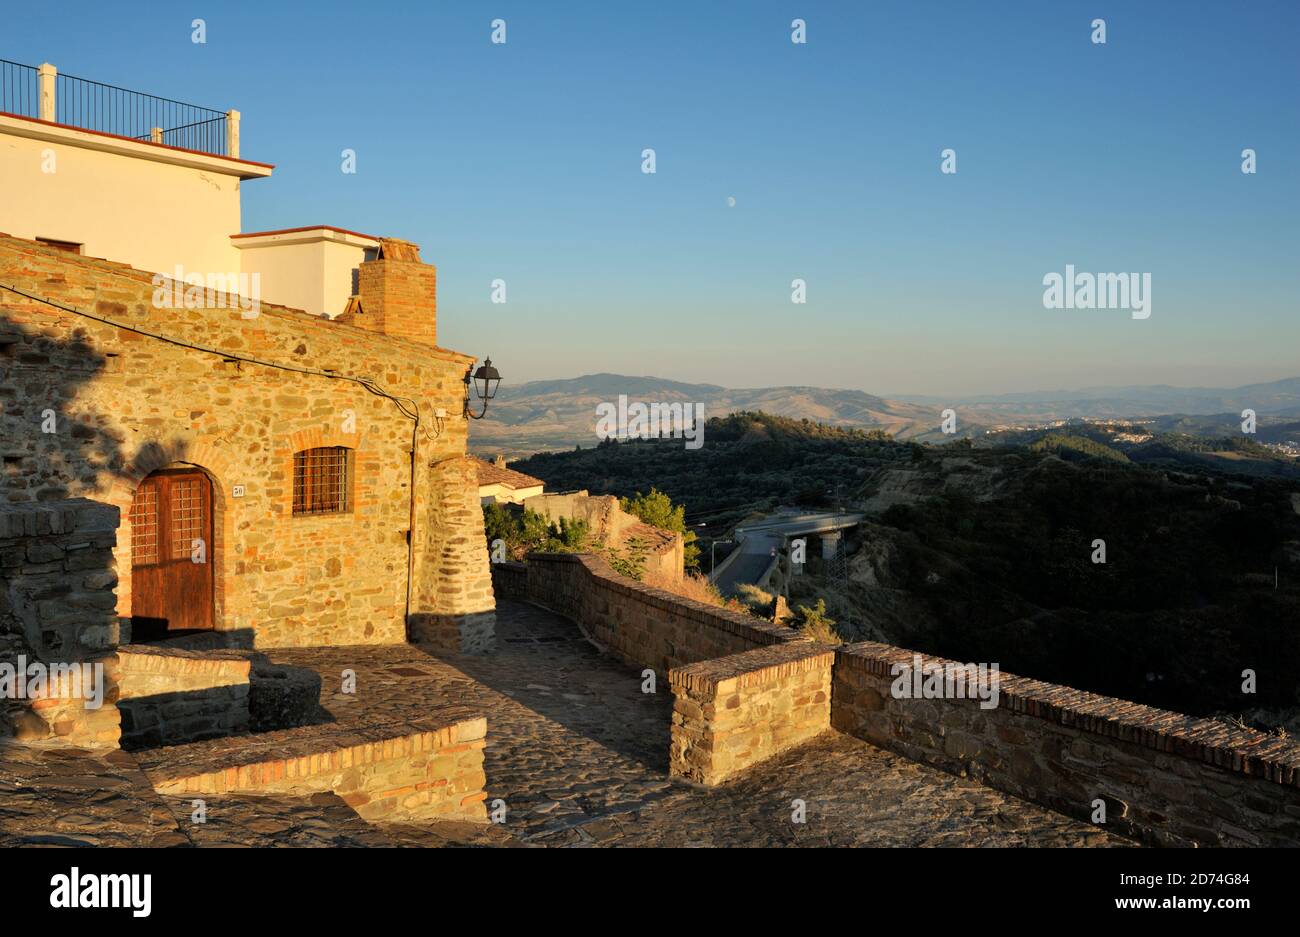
569, 536
658, 510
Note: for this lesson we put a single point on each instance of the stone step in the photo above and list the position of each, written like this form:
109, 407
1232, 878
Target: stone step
170, 696
428, 769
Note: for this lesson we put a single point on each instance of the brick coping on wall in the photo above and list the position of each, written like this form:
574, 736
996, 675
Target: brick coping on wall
1245, 751
143, 658
723, 675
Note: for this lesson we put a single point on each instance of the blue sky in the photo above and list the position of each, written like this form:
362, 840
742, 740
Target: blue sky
522, 162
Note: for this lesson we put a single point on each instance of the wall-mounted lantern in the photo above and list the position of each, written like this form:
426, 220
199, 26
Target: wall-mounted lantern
486, 380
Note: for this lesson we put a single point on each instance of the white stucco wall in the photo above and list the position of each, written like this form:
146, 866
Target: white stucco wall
151, 207
158, 208
309, 270
503, 494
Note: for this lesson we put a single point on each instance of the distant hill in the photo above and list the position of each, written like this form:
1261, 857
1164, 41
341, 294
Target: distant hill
548, 415
1188, 443
545, 416
983, 550
1276, 398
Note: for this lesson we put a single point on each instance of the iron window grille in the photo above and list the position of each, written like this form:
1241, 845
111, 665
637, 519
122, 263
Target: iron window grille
322, 481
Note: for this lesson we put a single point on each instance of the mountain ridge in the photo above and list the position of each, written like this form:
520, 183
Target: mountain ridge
561, 412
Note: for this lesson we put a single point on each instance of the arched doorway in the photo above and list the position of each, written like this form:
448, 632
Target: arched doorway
171, 554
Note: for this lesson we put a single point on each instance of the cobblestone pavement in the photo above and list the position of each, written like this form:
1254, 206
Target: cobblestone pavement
72, 797
579, 755
576, 751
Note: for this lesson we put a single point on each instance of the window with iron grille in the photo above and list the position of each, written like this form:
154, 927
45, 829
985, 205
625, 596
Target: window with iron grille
322, 481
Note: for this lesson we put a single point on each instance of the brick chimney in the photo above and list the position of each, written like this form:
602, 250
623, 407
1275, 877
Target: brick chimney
397, 293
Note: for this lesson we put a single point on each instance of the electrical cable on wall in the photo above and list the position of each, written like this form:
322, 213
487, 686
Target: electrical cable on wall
411, 412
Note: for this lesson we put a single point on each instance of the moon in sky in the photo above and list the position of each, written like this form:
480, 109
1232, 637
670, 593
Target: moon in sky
731, 201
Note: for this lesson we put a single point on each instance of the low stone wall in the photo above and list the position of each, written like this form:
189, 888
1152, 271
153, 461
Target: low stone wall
427, 770
510, 581
68, 720
744, 689
642, 626
168, 696
1164, 778
733, 712
58, 611
57, 577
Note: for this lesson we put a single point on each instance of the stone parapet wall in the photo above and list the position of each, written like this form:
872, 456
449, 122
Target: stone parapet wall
510, 581
169, 697
1165, 778
745, 688
642, 626
734, 712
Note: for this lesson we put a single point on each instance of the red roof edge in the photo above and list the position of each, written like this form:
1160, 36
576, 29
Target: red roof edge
310, 227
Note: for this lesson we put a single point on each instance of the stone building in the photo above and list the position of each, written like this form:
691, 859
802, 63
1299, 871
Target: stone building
499, 484
663, 552
284, 476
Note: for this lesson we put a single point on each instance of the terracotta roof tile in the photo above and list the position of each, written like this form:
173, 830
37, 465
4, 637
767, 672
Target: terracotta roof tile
489, 474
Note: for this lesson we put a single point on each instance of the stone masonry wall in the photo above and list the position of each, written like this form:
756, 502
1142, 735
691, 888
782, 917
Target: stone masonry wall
57, 577
121, 405
57, 608
454, 608
510, 580
609, 524
168, 696
733, 712
1165, 778
642, 626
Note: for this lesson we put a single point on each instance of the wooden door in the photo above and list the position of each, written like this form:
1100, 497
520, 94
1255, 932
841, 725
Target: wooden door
171, 554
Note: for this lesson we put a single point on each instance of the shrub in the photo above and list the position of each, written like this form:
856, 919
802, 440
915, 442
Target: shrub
631, 562
814, 624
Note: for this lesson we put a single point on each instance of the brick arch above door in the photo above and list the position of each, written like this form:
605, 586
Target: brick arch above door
204, 453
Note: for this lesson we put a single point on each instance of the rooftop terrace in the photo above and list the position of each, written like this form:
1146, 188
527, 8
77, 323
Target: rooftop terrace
39, 92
